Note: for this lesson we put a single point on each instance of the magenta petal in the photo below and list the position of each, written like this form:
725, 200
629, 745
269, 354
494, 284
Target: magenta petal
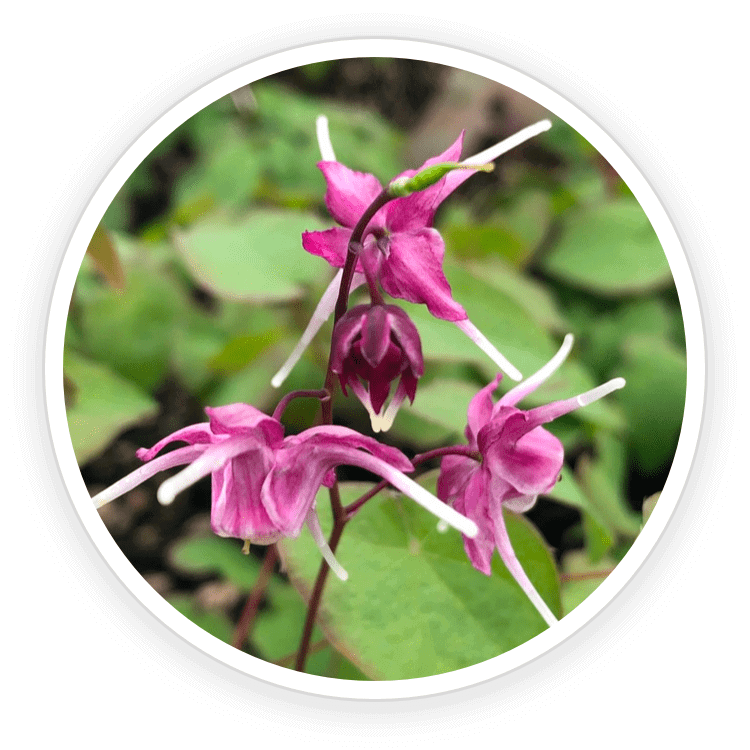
414, 271
473, 503
480, 410
531, 464
236, 507
303, 465
332, 244
193, 434
243, 419
416, 211
349, 193
333, 436
455, 473
344, 334
376, 335
406, 334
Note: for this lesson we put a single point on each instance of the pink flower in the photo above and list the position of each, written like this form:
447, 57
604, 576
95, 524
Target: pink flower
263, 486
400, 247
377, 344
517, 461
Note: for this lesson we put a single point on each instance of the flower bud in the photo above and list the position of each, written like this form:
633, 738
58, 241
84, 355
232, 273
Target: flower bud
373, 345
402, 186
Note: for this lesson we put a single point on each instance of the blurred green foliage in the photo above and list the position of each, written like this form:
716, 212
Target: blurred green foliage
217, 289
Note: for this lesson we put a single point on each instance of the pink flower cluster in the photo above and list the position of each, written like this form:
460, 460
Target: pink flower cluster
264, 484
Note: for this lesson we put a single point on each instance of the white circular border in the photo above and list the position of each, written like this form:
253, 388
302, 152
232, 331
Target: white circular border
556, 104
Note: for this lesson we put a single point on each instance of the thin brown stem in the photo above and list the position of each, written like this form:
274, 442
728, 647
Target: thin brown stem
355, 245
287, 660
451, 450
250, 610
321, 394
339, 515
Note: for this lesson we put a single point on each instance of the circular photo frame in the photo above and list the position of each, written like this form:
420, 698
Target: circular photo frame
539, 100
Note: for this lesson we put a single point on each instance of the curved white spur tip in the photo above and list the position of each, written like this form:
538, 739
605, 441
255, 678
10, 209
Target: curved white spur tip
313, 523
166, 493
601, 391
470, 330
324, 139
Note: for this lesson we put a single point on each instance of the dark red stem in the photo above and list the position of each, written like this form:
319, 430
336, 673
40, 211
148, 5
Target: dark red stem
322, 394
339, 514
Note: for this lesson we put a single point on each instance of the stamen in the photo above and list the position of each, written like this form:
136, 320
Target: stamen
313, 523
600, 391
488, 348
322, 312
503, 147
442, 527
324, 139
513, 396
246, 547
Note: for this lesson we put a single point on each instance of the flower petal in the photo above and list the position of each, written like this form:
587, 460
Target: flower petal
193, 434
332, 245
243, 419
349, 193
531, 463
376, 335
304, 463
346, 331
406, 334
210, 460
480, 410
416, 211
414, 271
455, 473
473, 503
236, 507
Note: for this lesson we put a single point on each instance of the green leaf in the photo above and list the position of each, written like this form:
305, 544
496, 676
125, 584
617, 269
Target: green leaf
258, 259
653, 400
609, 249
603, 481
214, 554
215, 623
532, 296
104, 405
413, 605
132, 332
279, 622
228, 174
